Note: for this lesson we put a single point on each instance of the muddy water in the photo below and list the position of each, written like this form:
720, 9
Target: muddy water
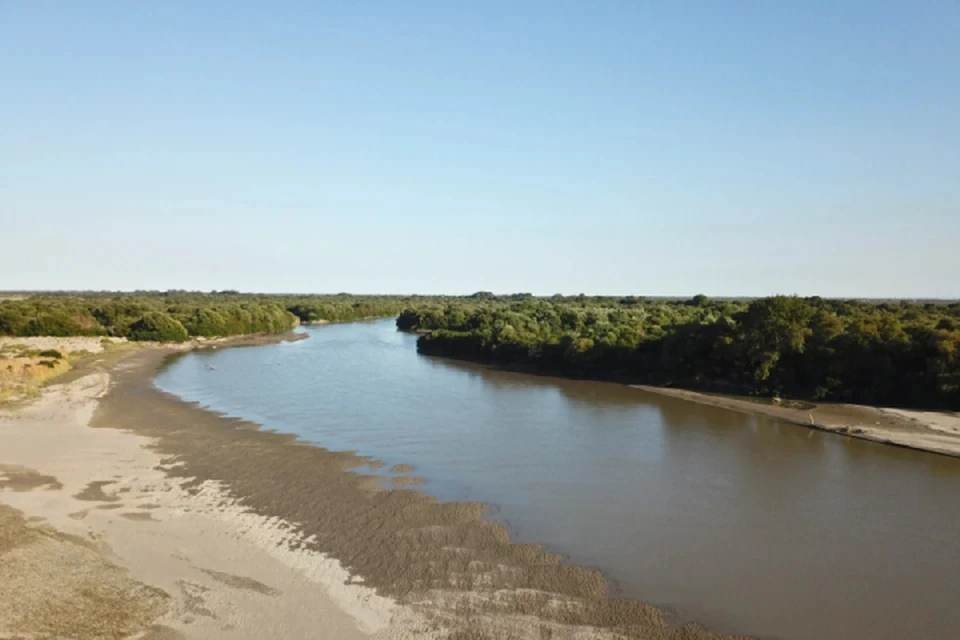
742, 523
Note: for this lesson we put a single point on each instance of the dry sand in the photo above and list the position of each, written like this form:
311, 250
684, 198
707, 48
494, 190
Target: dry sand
72, 344
97, 541
933, 431
149, 515
943, 421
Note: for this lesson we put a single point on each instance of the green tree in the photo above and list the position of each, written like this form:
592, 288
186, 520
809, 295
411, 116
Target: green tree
158, 327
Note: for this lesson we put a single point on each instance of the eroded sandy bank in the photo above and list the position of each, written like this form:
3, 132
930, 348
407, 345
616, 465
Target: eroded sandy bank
101, 542
933, 431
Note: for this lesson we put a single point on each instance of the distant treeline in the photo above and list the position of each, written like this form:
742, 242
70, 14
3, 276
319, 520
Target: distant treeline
175, 316
889, 353
892, 352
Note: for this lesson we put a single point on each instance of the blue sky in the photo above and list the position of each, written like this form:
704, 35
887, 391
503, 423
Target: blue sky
659, 148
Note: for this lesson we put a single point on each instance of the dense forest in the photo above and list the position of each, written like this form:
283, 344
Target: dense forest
175, 316
889, 353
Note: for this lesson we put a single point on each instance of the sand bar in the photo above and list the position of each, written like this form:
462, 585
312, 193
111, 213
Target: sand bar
933, 431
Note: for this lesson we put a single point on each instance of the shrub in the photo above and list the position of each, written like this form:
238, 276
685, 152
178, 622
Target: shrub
51, 353
158, 327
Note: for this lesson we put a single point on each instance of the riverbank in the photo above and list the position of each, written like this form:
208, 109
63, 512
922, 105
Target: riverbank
27, 363
322, 322
932, 431
201, 526
98, 540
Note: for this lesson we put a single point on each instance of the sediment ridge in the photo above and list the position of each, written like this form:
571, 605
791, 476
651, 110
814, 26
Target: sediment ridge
931, 431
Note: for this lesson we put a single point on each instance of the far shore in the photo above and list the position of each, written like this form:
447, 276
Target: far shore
318, 323
932, 431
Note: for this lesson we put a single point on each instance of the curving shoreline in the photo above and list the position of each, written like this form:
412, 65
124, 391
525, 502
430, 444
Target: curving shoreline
442, 558
97, 539
930, 431
922, 430
399, 563
388, 561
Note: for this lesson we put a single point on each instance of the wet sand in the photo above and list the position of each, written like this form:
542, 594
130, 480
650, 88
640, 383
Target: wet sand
98, 541
933, 431
212, 528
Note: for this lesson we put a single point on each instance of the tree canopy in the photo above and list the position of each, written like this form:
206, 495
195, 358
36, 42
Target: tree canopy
178, 315
144, 315
884, 353
891, 353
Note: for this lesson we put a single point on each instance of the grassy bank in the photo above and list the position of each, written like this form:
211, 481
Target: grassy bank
24, 371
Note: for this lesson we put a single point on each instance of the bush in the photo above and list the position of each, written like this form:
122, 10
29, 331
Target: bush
158, 327
50, 353
207, 323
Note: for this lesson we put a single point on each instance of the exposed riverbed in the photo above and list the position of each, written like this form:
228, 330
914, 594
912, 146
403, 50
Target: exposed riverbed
740, 522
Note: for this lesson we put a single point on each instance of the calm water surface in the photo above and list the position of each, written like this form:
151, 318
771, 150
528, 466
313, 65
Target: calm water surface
743, 523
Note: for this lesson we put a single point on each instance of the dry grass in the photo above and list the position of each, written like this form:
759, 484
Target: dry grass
27, 364
92, 344
23, 372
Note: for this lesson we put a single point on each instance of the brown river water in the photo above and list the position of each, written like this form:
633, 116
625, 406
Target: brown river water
742, 523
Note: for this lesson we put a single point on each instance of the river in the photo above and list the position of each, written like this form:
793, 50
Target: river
743, 523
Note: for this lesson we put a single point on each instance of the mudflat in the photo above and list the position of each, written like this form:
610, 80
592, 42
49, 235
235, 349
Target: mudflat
97, 541
203, 526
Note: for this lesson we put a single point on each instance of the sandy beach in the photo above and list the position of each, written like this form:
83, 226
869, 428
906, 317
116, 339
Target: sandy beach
98, 541
933, 431
125, 512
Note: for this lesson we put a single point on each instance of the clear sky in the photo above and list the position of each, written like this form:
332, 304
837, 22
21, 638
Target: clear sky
659, 148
